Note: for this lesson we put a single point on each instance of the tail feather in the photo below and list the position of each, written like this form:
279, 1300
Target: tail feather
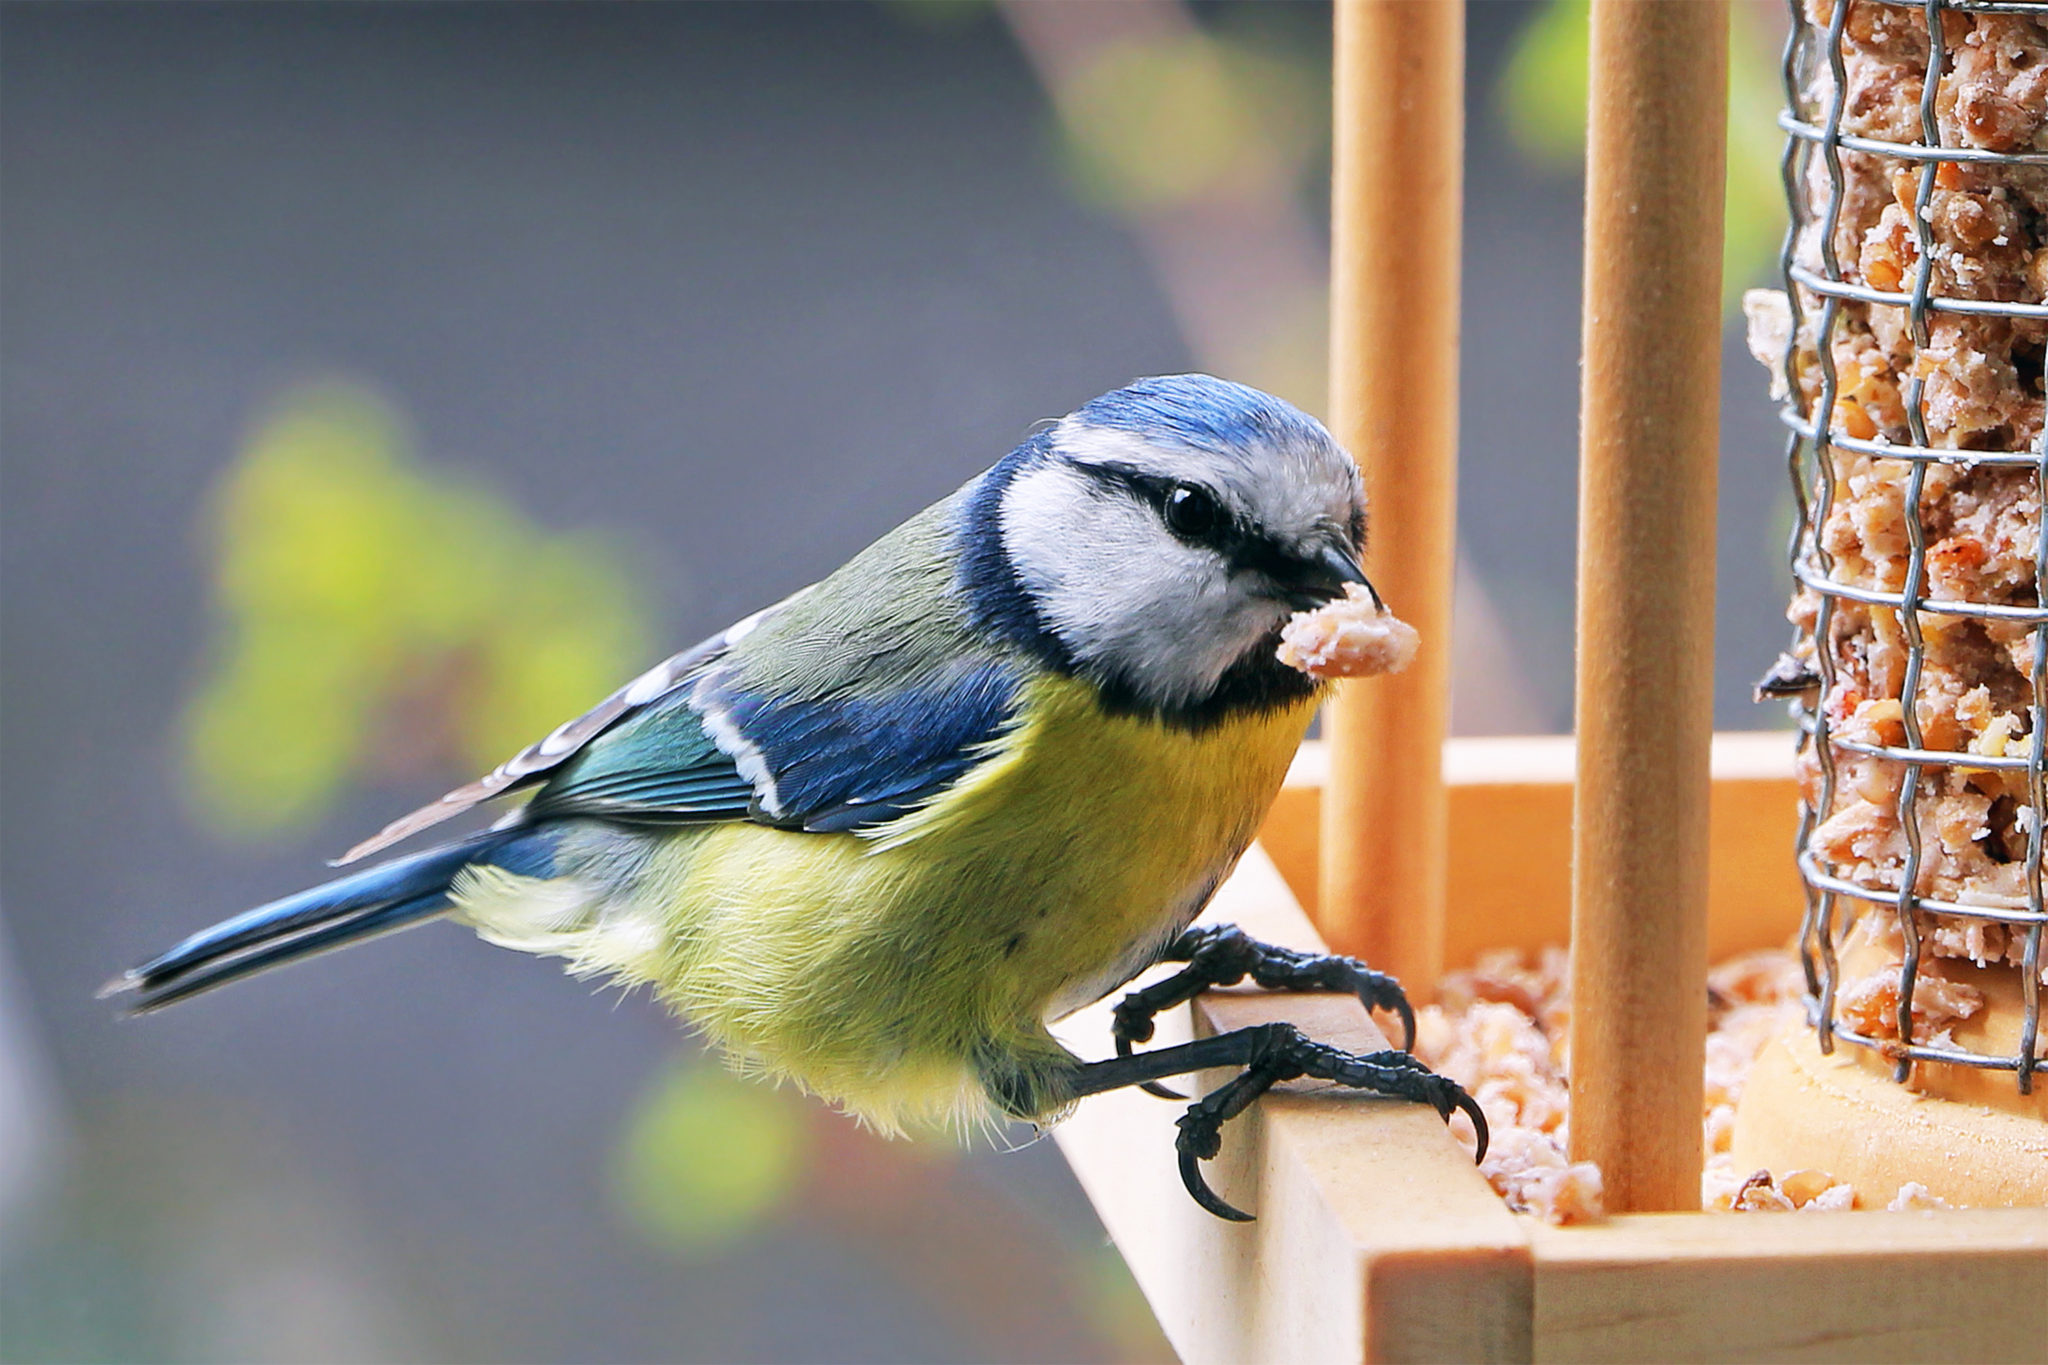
351, 929
379, 900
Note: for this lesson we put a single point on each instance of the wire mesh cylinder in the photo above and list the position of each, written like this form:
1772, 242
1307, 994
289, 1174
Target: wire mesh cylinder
1911, 338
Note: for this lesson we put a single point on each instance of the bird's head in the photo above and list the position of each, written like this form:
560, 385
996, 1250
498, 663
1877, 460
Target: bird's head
1154, 541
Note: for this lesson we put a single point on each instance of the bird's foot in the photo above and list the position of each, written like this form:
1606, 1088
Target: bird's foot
1223, 955
1282, 1052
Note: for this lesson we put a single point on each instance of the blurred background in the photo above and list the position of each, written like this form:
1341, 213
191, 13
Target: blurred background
379, 385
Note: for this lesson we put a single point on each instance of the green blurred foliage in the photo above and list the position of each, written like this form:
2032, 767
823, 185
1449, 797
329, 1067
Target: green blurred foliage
1543, 91
708, 1158
1543, 97
1158, 123
382, 619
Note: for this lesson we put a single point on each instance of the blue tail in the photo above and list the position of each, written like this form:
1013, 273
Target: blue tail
378, 900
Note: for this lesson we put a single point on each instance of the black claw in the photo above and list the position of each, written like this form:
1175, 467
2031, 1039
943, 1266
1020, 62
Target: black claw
1473, 1112
1198, 1189
1406, 1012
1223, 955
1133, 1022
1378, 991
1446, 1096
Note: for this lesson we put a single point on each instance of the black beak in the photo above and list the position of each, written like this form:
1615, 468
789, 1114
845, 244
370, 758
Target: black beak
1324, 578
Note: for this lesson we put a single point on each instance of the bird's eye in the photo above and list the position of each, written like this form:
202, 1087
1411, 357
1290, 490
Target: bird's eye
1191, 512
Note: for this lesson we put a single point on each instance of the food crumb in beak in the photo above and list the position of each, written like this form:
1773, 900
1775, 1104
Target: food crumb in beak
1351, 637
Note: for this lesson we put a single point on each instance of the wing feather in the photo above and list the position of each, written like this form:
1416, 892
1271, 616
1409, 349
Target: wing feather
533, 763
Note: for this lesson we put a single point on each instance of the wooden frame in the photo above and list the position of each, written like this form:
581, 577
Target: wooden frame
1377, 1238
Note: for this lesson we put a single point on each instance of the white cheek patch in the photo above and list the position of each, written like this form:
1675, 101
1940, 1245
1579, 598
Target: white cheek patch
1120, 590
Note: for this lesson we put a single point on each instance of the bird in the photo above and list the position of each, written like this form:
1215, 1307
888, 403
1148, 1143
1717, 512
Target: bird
875, 838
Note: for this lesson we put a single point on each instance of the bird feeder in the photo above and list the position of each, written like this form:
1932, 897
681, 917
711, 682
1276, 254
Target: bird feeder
1911, 334
1650, 841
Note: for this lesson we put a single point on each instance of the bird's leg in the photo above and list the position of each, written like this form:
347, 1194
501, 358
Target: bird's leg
1223, 955
1268, 1054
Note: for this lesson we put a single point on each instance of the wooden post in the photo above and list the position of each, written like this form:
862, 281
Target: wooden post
1649, 439
1395, 196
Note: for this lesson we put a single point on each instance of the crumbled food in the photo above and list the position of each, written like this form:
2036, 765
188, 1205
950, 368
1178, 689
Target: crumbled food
1817, 1190
1720, 1182
1799, 1191
1531, 1172
1751, 999
1352, 637
1870, 1004
1914, 1195
1769, 334
1836, 1198
1759, 1194
1500, 1030
1572, 1195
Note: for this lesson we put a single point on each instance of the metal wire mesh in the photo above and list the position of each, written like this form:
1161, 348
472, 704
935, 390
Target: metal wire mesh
1844, 462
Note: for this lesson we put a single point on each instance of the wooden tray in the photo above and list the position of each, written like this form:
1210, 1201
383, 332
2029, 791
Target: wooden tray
1378, 1240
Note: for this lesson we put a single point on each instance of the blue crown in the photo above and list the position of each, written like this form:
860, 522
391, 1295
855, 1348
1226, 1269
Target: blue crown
1205, 412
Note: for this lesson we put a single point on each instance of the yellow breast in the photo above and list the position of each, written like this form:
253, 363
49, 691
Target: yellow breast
875, 968
1104, 828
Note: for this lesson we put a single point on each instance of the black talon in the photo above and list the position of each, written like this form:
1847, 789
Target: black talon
1446, 1096
1198, 1188
1473, 1112
1201, 1128
1406, 1013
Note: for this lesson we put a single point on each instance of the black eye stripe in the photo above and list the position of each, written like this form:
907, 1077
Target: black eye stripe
1157, 493
1247, 548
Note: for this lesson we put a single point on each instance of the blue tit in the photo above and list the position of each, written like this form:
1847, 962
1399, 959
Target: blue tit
874, 838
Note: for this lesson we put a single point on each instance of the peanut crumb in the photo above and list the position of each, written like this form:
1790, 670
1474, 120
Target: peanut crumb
1352, 637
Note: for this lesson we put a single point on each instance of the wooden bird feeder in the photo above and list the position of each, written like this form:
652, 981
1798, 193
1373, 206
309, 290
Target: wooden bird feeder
1651, 843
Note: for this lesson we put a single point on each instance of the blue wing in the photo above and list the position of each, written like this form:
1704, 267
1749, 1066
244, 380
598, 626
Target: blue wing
720, 750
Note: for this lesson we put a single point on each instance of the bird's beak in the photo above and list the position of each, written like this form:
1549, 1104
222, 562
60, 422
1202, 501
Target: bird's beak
1332, 571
